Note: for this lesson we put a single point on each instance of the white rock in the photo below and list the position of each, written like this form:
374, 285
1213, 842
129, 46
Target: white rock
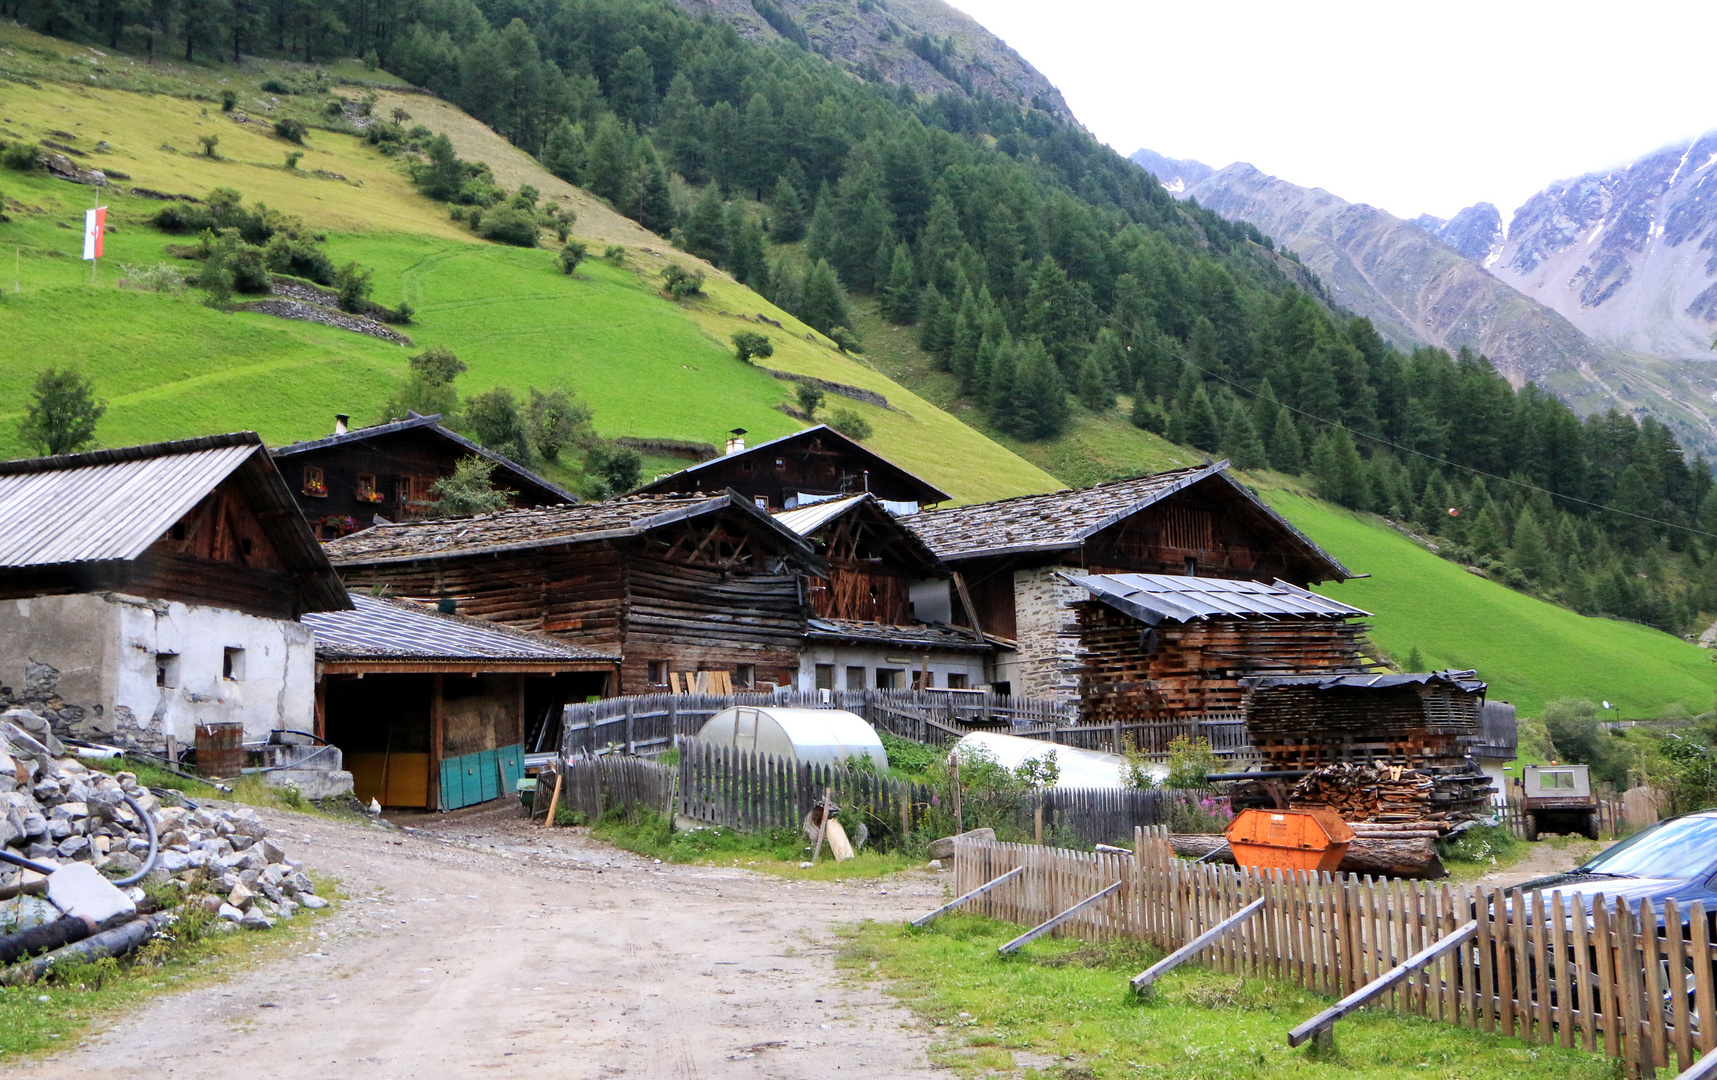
230, 913
240, 896
311, 901
255, 920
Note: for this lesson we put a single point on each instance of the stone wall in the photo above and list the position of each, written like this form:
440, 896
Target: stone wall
88, 663
1048, 662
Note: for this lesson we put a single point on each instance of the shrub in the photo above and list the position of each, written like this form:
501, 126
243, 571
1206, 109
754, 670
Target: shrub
162, 277
61, 415
749, 343
810, 397
209, 143
508, 225
845, 340
682, 284
293, 157
1189, 760
291, 130
850, 424
614, 254
334, 108
614, 470
23, 156
229, 101
354, 284
275, 86
469, 490
570, 256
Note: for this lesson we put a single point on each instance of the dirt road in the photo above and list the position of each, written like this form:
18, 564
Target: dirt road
484, 943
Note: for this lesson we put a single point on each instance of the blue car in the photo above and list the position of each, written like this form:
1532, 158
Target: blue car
1672, 860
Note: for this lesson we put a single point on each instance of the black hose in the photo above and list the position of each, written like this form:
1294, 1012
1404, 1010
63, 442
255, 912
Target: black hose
49, 935
154, 843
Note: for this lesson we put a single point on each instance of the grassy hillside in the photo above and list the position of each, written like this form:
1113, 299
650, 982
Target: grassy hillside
1529, 651
171, 367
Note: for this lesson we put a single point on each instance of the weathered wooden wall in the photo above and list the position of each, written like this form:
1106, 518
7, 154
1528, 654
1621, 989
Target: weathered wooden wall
1195, 669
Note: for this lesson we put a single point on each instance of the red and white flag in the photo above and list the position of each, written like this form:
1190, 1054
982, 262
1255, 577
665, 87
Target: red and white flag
94, 225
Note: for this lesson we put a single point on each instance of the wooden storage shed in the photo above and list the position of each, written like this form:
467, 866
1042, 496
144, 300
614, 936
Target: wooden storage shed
437, 711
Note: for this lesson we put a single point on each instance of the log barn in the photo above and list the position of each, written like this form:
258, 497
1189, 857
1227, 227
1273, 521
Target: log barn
358, 477
799, 469
1008, 556
675, 584
1173, 652
864, 632
436, 711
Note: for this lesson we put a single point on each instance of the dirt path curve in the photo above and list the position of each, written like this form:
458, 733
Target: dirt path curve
484, 943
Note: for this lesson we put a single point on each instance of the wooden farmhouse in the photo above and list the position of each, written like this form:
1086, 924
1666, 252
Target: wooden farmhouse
359, 477
1008, 558
1174, 652
802, 468
437, 711
862, 632
675, 585
151, 589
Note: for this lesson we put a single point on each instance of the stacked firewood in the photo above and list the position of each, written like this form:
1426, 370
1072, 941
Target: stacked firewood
1392, 794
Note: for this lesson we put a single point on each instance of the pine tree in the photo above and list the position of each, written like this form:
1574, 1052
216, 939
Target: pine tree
935, 324
1240, 439
706, 227
825, 304
1148, 412
1531, 553
1287, 454
1039, 397
1484, 535
898, 297
653, 208
997, 365
1415, 662
1111, 357
1092, 385
609, 164
745, 249
1265, 408
786, 212
563, 153
1203, 430
1338, 472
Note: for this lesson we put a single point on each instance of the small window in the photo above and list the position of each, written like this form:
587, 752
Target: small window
314, 484
890, 678
825, 676
855, 678
923, 680
179, 531
367, 488
1563, 779
957, 681
232, 665
762, 502
656, 674
402, 490
167, 670
1191, 566
245, 545
745, 675
780, 463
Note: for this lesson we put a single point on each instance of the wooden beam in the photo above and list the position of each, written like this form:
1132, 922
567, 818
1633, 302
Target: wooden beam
966, 602
435, 737
926, 920
1143, 981
1322, 1025
1045, 927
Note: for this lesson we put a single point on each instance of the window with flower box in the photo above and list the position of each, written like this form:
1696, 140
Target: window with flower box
314, 484
367, 489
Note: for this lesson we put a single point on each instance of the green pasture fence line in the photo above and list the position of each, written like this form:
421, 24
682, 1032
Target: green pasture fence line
1632, 981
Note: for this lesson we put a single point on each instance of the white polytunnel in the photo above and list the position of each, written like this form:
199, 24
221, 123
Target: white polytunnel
817, 736
1078, 768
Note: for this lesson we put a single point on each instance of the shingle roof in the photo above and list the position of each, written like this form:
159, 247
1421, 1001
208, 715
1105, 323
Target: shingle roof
927, 492
919, 636
911, 552
380, 629
1065, 519
542, 526
431, 424
111, 505
1155, 598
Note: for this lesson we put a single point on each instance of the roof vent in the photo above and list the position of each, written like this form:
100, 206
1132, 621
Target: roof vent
735, 441
340, 421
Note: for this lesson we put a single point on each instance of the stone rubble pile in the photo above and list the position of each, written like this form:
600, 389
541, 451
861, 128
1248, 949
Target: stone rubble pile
56, 810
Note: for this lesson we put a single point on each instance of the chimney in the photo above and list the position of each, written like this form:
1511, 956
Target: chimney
735, 441
340, 423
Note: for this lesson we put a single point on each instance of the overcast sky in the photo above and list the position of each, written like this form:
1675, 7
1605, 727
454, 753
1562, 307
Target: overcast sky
1411, 106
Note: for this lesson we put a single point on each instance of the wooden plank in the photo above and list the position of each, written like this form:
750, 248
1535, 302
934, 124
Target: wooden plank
926, 920
1702, 977
1538, 931
1584, 978
1054, 921
1561, 963
1636, 1048
1603, 952
1651, 1005
1488, 950
1382, 984
1142, 982
1676, 952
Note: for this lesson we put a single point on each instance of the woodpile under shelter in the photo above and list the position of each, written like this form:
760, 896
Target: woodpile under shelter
1424, 721
359, 477
863, 632
152, 589
437, 711
1174, 653
678, 584
1008, 558
799, 469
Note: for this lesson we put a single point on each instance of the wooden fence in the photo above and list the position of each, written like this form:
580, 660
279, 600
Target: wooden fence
1536, 967
593, 786
650, 723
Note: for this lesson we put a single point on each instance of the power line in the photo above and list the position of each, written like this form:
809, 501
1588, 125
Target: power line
1444, 461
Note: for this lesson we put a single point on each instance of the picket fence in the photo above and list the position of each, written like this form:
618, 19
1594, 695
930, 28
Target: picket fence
1555, 976
651, 723
593, 786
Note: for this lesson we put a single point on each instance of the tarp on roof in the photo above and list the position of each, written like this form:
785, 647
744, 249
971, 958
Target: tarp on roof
918, 636
382, 629
1465, 679
1155, 598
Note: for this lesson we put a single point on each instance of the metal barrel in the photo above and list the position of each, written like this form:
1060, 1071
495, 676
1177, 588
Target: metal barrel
220, 749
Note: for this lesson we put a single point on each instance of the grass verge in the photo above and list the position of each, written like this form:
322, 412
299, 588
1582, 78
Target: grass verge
55, 1012
1481, 850
1062, 1009
776, 851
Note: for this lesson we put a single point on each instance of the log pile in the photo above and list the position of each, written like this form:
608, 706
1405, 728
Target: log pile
1391, 794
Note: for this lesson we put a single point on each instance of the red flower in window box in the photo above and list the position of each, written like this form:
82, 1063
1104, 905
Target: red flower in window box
316, 488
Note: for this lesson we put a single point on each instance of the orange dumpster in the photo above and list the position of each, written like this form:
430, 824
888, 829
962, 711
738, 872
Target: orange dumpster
1289, 839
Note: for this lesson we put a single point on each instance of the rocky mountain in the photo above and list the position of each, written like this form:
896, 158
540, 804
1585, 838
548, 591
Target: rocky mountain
1177, 175
924, 44
1629, 255
1475, 232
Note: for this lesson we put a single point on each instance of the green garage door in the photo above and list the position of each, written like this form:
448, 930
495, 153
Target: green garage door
474, 778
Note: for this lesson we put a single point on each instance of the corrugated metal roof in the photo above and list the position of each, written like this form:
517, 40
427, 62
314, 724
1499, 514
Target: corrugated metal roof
808, 519
1155, 598
109, 505
1466, 679
432, 423
381, 629
1065, 519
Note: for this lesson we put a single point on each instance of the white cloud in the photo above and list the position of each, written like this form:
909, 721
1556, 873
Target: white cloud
1414, 107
